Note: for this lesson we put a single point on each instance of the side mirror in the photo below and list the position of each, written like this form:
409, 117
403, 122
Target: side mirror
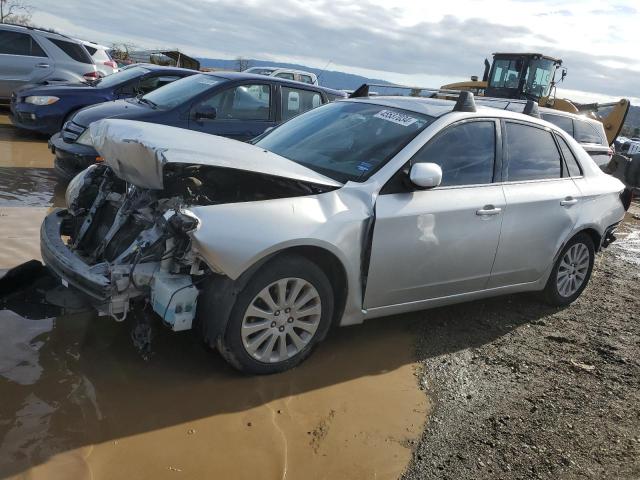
425, 175
208, 113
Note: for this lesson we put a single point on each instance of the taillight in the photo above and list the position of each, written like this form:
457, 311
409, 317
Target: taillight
91, 76
111, 63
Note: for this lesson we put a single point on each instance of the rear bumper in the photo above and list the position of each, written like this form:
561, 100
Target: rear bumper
65, 264
609, 236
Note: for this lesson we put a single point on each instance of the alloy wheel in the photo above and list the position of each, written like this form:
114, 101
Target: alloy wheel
281, 320
573, 269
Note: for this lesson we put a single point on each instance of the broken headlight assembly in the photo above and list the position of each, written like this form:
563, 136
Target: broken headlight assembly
85, 138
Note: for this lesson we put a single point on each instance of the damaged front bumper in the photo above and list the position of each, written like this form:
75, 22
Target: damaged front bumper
67, 265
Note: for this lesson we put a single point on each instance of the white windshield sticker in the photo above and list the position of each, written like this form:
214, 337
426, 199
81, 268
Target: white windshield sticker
399, 118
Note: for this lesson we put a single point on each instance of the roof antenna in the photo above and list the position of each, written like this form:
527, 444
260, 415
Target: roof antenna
361, 91
531, 109
323, 70
465, 102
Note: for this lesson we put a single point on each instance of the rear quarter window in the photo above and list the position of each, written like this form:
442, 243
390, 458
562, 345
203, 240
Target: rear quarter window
587, 132
573, 167
73, 50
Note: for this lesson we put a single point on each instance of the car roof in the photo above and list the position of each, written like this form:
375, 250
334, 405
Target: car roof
436, 107
255, 76
44, 31
284, 69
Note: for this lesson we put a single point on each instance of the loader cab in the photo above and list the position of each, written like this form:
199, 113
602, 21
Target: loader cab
526, 76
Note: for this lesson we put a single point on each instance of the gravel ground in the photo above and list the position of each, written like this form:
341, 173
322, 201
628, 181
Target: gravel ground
523, 390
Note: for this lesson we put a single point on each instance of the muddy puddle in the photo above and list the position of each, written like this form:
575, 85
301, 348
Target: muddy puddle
77, 400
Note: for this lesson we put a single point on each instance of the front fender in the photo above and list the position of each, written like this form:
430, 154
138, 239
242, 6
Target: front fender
231, 238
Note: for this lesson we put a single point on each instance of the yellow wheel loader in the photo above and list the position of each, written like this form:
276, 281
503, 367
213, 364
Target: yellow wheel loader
532, 76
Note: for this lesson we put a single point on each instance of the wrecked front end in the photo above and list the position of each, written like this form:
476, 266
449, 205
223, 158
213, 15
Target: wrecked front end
117, 242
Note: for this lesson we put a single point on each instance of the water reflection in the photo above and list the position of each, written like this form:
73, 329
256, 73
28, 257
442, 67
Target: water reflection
186, 409
30, 187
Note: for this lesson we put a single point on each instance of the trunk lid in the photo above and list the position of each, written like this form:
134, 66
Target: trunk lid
138, 152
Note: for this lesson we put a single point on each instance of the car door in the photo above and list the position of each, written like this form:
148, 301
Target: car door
440, 242
241, 112
542, 204
22, 61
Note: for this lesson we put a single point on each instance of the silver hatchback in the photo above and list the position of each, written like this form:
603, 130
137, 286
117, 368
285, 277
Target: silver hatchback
30, 55
357, 209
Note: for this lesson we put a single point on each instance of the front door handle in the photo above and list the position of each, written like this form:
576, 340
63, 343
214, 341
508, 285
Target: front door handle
568, 201
488, 210
42, 65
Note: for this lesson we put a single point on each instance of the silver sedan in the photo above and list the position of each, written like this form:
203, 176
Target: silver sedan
358, 209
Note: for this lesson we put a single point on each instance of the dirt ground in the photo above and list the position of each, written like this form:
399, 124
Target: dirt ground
508, 387
521, 390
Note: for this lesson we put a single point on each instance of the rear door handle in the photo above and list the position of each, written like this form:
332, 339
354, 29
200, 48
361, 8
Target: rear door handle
567, 202
488, 210
42, 65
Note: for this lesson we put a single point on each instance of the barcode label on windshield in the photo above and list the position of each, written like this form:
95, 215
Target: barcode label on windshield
399, 118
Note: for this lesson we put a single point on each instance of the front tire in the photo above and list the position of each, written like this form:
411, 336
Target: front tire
571, 272
280, 316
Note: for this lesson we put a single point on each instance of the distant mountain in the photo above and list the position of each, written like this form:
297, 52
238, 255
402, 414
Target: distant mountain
328, 78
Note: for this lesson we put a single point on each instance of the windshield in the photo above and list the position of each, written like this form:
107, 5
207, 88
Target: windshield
345, 140
538, 78
183, 90
124, 76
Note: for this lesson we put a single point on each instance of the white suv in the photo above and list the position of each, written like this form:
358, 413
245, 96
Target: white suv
286, 73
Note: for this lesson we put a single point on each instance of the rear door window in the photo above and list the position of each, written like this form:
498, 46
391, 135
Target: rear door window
149, 84
465, 152
73, 50
531, 154
560, 121
296, 101
573, 166
586, 132
17, 43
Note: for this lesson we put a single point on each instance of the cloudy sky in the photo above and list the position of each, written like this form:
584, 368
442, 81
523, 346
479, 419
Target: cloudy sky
411, 42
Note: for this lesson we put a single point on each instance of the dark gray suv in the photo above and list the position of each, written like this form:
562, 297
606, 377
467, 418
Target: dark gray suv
588, 132
30, 55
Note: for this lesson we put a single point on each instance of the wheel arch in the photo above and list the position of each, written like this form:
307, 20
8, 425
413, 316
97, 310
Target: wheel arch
222, 290
332, 267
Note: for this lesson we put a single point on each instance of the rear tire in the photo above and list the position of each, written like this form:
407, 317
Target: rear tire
279, 317
571, 272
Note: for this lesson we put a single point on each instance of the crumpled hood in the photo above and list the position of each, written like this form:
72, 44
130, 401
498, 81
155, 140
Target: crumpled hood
138, 152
